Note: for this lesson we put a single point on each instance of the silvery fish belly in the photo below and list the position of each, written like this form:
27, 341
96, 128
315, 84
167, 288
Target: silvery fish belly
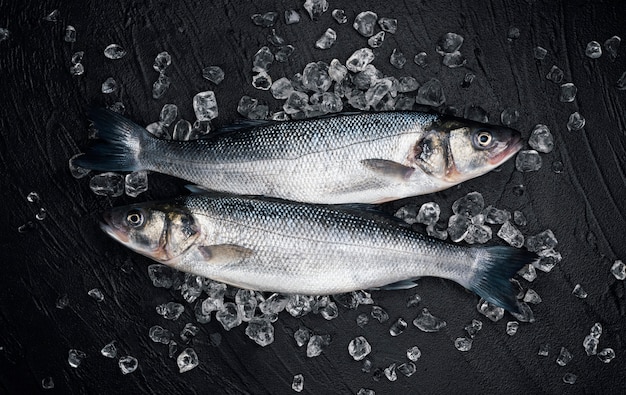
288, 247
346, 158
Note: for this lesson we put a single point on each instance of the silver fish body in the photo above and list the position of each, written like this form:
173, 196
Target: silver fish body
280, 246
346, 158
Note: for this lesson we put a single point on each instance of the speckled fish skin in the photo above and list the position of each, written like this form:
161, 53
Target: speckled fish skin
288, 247
346, 158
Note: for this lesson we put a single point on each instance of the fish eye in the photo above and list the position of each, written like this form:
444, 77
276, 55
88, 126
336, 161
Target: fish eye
483, 138
135, 218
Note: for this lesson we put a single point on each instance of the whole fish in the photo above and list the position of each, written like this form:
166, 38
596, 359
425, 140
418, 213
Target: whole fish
346, 158
288, 247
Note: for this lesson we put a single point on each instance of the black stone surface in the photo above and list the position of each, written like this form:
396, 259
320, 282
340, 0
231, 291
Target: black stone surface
43, 123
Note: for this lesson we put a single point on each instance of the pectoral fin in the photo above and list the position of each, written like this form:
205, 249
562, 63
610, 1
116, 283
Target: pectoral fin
404, 284
224, 253
388, 168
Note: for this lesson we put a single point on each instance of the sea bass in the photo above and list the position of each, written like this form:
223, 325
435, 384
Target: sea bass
294, 248
345, 158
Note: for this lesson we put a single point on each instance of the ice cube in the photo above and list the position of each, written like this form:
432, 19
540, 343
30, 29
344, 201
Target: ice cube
540, 53
496, 216
109, 350
359, 348
4, 34
431, 93
170, 310
359, 59
299, 305
128, 364
205, 106
316, 8
590, 344
302, 336
427, 322
316, 344
463, 344
274, 39
136, 183
340, 16
109, 85
75, 357
528, 160
297, 383
413, 353
172, 349
163, 276
532, 296
107, 184
376, 40
569, 378
606, 355
413, 300
376, 93
575, 122
336, 71
478, 234
52, 16
458, 227
187, 360
513, 33
407, 84
541, 241
162, 62
511, 235
62, 302
611, 46
229, 316
263, 59
267, 19
273, 304
596, 330
47, 383
77, 57
262, 81
449, 43
473, 328
544, 350
564, 357
493, 312
509, 116
579, 292
511, 327
70, 34
621, 82
182, 130
390, 372
327, 40
365, 391
398, 327
291, 17
315, 77
330, 311
568, 92
397, 59
261, 331
160, 86
421, 59
618, 270
454, 60
77, 69
555, 74
188, 332
365, 22
114, 51
541, 139
379, 313
389, 25
593, 50
215, 74
283, 53
404, 103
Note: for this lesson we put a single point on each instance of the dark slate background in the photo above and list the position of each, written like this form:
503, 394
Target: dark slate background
43, 123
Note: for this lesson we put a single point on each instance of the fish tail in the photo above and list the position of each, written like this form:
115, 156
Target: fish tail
119, 145
495, 267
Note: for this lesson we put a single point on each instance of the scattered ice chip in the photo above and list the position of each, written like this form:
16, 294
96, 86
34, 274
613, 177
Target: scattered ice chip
315, 77
471, 204
509, 116
274, 304
359, 59
611, 46
568, 92
427, 322
454, 60
77, 69
407, 369
298, 383
128, 364
531, 295
109, 350
337, 71
362, 320
162, 276
299, 305
316, 344
302, 336
47, 383
421, 59
413, 300
413, 353
380, 314
404, 103
513, 33
159, 130
541, 139
109, 85
365, 22
541, 241
449, 43
476, 113
295, 102
468, 79
496, 216
283, 53
205, 106
160, 86
544, 350
376, 93
407, 84
493, 312
170, 310
77, 57
168, 114
263, 59
330, 311
606, 355
4, 34
540, 53
376, 40
569, 378
458, 227
265, 20
70, 34
555, 75
463, 344
579, 292
291, 17
512, 327
359, 348
215, 74
526, 313
590, 344
262, 81
478, 234
340, 16
316, 8
519, 218
548, 259
365, 391
511, 235
621, 82
33, 197
618, 270
431, 93
172, 349
52, 16
136, 183
229, 316
397, 59
327, 40
187, 360
274, 39
162, 62
564, 357
107, 184
398, 327
575, 122
528, 160
593, 50
75, 357
473, 328
388, 25
62, 302
114, 51
188, 332
261, 331
390, 372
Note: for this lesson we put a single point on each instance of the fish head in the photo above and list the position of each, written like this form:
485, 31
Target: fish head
162, 232
457, 150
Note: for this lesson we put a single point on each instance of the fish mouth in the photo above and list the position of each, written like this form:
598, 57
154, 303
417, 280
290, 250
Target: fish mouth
109, 227
511, 149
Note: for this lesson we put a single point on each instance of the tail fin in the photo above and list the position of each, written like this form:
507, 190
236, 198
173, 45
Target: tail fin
119, 145
495, 266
